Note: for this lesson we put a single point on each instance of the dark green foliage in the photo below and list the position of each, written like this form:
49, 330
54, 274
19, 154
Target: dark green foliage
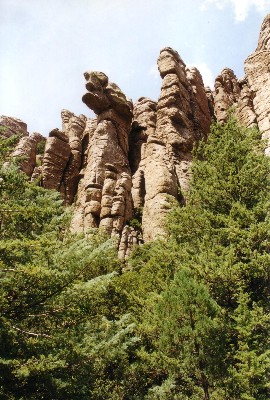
41, 147
58, 304
189, 318
136, 221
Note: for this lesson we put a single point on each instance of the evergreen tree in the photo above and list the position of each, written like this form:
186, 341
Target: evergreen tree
222, 238
60, 331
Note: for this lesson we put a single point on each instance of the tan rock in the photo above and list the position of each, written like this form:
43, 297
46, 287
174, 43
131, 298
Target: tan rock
10, 126
56, 157
210, 98
129, 239
105, 162
26, 150
245, 108
74, 129
257, 74
226, 94
166, 135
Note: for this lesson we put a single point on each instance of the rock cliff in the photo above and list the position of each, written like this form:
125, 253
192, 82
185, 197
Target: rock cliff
122, 170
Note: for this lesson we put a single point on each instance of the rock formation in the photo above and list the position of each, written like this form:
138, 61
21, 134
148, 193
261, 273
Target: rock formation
249, 96
129, 239
12, 126
226, 93
133, 162
73, 127
56, 156
162, 139
26, 150
104, 195
63, 156
257, 68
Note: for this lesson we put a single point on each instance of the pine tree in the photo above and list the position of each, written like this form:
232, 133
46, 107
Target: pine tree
188, 323
60, 330
222, 238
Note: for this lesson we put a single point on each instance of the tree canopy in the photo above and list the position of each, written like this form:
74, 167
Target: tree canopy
189, 318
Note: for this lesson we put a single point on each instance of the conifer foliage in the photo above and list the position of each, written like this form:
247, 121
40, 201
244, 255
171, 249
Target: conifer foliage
217, 317
188, 318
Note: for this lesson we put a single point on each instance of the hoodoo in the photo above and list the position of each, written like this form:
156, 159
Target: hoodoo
133, 159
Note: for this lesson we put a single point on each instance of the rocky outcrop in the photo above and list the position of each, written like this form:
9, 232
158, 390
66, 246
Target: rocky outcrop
250, 96
104, 193
63, 156
10, 126
129, 239
166, 133
226, 94
26, 151
123, 170
143, 128
245, 109
56, 156
235, 94
73, 127
257, 68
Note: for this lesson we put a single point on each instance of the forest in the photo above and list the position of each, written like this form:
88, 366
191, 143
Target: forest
185, 317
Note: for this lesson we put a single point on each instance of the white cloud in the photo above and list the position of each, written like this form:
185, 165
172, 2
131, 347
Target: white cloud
218, 3
241, 7
207, 74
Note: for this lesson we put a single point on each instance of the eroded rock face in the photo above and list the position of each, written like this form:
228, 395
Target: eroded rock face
26, 149
226, 94
162, 139
129, 239
183, 117
10, 126
257, 68
143, 127
249, 96
74, 129
62, 159
264, 37
104, 193
135, 162
56, 156
245, 109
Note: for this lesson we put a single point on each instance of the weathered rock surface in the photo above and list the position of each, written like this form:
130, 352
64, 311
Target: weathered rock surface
226, 94
10, 126
26, 149
245, 109
129, 239
135, 161
250, 96
104, 193
73, 127
257, 67
166, 139
56, 156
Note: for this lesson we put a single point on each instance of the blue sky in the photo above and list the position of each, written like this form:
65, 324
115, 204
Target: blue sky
47, 45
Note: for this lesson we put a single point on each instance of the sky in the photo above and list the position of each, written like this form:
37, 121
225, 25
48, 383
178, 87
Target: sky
47, 45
